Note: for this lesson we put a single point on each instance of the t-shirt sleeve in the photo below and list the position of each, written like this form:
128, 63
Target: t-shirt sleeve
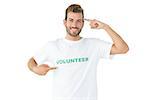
42, 55
103, 48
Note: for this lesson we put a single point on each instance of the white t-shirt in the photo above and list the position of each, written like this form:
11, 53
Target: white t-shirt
75, 77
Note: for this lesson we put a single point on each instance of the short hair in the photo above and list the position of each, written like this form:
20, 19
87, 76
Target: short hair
74, 8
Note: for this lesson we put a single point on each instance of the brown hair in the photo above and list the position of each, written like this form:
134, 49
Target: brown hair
74, 8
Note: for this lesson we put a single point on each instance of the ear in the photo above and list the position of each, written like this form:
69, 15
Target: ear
65, 22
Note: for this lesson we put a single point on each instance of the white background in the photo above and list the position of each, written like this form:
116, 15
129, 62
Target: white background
26, 25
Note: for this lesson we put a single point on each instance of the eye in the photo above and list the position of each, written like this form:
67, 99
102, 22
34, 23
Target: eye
79, 21
71, 20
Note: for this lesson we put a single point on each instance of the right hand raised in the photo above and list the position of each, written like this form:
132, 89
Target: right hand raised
42, 69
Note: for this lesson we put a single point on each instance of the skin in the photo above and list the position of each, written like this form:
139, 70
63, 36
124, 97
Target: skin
39, 69
74, 25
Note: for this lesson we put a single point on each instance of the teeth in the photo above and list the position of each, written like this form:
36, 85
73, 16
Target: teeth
74, 29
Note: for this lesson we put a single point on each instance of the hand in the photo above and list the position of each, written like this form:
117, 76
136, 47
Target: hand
95, 24
42, 69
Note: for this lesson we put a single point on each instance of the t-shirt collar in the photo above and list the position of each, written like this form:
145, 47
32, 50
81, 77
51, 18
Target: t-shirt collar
71, 41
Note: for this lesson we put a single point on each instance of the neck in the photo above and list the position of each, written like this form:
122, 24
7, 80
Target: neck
76, 38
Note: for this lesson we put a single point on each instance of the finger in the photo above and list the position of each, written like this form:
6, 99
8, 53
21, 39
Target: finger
87, 19
51, 68
96, 24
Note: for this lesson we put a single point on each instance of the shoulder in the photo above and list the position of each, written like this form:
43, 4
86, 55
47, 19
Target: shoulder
53, 42
50, 43
98, 41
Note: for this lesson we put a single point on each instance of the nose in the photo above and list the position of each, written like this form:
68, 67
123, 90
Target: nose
74, 24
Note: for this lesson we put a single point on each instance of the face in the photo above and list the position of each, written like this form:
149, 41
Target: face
74, 23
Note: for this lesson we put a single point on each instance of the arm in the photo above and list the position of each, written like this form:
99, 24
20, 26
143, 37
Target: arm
119, 45
31, 64
38, 69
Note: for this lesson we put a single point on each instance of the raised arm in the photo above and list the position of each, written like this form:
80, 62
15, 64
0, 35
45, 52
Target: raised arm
119, 45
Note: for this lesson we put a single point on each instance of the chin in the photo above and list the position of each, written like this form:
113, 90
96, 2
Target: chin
73, 34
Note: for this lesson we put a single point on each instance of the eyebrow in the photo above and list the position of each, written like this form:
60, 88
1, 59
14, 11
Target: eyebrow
70, 18
73, 19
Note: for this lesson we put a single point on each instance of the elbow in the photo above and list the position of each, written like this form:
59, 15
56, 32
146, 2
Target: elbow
31, 63
120, 49
125, 49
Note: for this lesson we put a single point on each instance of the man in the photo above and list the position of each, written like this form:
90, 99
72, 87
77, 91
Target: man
74, 59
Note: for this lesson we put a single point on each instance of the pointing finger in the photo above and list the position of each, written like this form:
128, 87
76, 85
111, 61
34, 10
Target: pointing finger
87, 19
51, 68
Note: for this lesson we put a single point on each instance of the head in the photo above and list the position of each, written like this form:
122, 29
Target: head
74, 20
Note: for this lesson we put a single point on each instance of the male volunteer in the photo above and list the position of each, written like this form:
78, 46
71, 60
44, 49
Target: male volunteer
73, 59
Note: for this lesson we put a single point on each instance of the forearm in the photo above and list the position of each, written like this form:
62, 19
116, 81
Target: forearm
117, 40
